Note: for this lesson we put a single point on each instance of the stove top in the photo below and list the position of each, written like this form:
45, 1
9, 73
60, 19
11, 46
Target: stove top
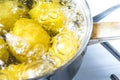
98, 62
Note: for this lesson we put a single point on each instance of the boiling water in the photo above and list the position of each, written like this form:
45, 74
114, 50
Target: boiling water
64, 44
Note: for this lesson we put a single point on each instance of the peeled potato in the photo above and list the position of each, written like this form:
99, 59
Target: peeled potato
64, 47
10, 11
49, 15
3, 51
12, 72
25, 71
28, 40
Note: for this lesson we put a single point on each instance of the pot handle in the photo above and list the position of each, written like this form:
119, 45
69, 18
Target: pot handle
105, 31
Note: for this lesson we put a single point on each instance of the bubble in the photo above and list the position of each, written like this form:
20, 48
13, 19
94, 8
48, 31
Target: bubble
53, 15
37, 68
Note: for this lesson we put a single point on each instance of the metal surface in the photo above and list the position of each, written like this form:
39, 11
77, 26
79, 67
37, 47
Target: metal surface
98, 64
114, 77
112, 50
105, 13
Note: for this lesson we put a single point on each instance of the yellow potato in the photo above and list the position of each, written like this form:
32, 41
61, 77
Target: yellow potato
12, 72
28, 40
25, 71
64, 47
10, 11
3, 51
49, 15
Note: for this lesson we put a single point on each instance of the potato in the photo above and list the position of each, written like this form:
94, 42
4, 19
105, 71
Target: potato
49, 15
64, 47
25, 71
3, 51
28, 40
10, 12
12, 72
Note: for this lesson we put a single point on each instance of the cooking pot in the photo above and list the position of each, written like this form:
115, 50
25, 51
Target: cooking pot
96, 32
88, 24
93, 33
